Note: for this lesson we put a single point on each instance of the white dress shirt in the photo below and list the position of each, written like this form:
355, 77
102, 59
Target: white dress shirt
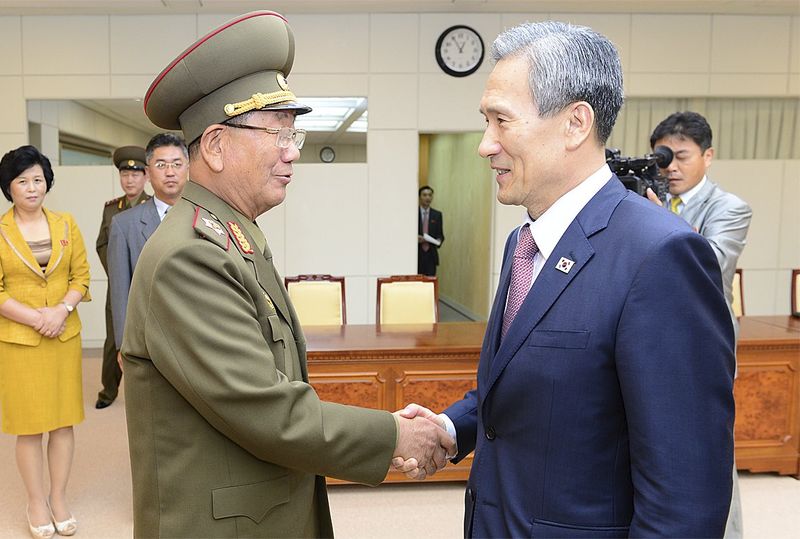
687, 196
161, 207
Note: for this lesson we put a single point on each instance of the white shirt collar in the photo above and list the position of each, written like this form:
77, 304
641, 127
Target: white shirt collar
551, 225
161, 207
687, 196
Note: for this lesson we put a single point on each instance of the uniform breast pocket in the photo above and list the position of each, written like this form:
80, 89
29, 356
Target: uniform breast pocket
551, 338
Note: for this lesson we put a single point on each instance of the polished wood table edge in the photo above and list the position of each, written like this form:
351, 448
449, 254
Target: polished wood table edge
788, 322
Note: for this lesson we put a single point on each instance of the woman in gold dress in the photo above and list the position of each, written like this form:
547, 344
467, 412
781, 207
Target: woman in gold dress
44, 274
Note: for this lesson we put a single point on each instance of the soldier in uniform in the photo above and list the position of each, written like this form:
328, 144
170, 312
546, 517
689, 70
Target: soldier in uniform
227, 438
130, 160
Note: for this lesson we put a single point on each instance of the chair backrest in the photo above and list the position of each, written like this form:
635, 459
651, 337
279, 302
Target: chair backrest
318, 299
407, 299
738, 294
795, 292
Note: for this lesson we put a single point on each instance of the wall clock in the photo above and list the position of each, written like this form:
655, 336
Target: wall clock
327, 155
459, 51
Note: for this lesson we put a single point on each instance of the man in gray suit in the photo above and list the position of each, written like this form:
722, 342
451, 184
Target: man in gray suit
168, 169
720, 217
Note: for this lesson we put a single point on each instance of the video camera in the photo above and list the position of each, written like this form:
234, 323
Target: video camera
639, 173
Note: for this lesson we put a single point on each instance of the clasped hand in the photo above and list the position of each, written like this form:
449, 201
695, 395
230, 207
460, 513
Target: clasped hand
52, 321
423, 445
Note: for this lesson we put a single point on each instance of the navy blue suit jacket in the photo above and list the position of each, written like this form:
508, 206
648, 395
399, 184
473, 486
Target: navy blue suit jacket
607, 410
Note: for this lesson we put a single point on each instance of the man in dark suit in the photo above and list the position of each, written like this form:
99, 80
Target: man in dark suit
168, 169
720, 217
430, 233
130, 161
604, 404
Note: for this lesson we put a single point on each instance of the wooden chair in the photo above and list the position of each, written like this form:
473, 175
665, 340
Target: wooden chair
795, 310
318, 299
738, 294
407, 299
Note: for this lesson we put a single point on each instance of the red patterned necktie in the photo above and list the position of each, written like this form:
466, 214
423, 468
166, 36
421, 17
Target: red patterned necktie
521, 275
425, 246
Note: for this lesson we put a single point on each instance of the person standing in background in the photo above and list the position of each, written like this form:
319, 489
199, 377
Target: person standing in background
130, 161
44, 274
720, 217
168, 170
430, 233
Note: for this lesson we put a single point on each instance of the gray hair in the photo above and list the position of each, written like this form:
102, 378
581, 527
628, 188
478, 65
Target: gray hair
567, 64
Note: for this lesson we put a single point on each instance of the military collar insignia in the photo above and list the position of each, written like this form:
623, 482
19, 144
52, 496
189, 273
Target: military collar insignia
241, 240
209, 228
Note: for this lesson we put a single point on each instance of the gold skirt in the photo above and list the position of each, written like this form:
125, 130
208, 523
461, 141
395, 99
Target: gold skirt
40, 386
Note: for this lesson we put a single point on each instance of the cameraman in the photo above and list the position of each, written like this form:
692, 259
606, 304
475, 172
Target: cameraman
721, 217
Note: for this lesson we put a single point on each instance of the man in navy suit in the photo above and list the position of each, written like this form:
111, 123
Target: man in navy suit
168, 169
604, 403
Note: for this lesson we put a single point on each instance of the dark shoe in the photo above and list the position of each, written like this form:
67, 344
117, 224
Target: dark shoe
100, 404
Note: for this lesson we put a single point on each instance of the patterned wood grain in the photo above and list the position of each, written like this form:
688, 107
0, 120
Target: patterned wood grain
763, 404
434, 390
358, 389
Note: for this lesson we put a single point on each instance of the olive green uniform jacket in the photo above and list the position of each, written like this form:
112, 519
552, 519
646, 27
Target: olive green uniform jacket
227, 438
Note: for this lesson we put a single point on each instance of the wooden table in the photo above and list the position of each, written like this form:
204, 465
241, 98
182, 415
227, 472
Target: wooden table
767, 393
434, 365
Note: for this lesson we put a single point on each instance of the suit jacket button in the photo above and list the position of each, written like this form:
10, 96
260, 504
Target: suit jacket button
490, 434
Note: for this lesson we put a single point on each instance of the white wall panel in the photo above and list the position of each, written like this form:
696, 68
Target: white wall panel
393, 43
759, 184
683, 54
393, 102
750, 44
392, 158
11, 57
789, 240
69, 45
760, 290
663, 85
357, 298
331, 43
448, 104
329, 85
67, 86
143, 44
326, 220
750, 84
13, 113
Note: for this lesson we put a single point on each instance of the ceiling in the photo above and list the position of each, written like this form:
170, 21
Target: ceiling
80, 7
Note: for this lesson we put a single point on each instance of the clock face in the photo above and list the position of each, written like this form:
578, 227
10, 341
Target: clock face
327, 155
459, 51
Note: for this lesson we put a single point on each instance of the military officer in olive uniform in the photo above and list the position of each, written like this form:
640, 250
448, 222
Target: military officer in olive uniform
130, 160
227, 438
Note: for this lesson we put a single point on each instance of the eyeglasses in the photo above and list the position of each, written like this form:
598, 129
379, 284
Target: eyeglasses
286, 135
175, 165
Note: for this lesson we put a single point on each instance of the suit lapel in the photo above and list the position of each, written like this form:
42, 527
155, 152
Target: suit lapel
11, 234
696, 204
59, 240
551, 282
150, 219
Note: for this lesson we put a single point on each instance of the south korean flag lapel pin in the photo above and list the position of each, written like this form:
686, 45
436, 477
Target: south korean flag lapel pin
564, 265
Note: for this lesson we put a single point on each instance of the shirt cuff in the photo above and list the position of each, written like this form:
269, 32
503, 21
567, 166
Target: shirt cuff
451, 430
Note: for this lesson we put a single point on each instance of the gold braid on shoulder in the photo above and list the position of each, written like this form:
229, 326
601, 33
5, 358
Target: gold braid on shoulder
258, 101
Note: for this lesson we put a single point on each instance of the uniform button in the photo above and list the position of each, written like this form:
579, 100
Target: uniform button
44, 285
490, 434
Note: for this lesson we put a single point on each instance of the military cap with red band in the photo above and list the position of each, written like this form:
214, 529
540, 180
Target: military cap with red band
129, 158
239, 67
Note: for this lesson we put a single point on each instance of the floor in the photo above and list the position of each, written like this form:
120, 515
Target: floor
101, 498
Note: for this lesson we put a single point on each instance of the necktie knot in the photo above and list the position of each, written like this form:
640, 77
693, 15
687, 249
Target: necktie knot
674, 202
526, 246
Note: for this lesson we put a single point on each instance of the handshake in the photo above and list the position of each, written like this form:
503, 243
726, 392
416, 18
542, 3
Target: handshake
423, 444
